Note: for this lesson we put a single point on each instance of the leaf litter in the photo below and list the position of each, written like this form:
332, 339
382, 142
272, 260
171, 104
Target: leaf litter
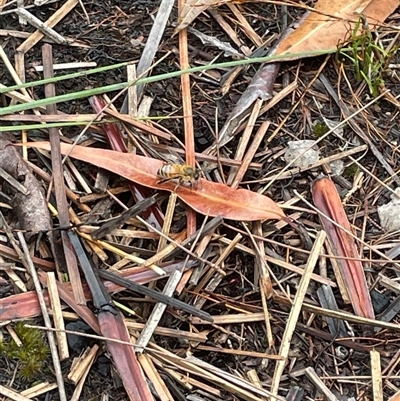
233, 306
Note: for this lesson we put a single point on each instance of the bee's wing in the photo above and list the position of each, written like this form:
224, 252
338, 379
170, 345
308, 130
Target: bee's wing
173, 157
156, 153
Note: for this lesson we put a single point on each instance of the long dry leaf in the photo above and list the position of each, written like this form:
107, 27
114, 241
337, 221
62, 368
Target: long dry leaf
209, 198
327, 200
113, 327
324, 28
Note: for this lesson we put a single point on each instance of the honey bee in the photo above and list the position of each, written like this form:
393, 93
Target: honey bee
182, 173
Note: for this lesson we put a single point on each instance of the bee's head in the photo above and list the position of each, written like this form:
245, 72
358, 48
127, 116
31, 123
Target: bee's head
193, 172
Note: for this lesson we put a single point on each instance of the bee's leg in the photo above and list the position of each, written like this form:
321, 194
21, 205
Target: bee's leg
178, 184
193, 184
163, 180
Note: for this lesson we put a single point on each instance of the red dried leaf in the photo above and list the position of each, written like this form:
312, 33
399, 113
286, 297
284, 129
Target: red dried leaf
26, 305
209, 198
124, 357
327, 200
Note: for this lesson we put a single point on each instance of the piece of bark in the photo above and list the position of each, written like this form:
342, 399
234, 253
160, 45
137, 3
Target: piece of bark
30, 208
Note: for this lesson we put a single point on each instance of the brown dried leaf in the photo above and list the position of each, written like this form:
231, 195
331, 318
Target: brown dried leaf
324, 28
209, 198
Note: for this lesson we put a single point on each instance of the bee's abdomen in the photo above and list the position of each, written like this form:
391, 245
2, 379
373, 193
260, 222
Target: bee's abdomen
165, 171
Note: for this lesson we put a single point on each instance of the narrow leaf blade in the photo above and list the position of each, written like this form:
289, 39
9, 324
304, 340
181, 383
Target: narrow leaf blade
327, 200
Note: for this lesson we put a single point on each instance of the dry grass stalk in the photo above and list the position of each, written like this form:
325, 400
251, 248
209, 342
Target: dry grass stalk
335, 265
291, 88
296, 309
12, 395
229, 31
233, 318
82, 364
38, 24
14, 335
166, 251
213, 282
253, 377
169, 214
162, 243
187, 123
132, 94
58, 181
146, 128
154, 377
313, 377
326, 160
245, 26
58, 318
38, 389
68, 66
190, 382
263, 277
89, 362
78, 176
34, 38
101, 254
376, 373
250, 154
296, 105
342, 315
67, 296
281, 263
240, 352
50, 336
128, 233
15, 279
167, 332
234, 383
201, 157
24, 35
200, 250
123, 254
172, 247
194, 366
243, 142
157, 312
